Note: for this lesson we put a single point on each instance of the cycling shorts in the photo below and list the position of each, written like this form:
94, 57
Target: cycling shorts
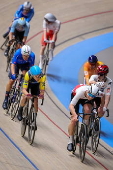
19, 35
34, 89
49, 36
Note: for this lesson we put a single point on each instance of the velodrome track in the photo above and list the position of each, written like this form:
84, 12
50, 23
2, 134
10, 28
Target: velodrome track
49, 149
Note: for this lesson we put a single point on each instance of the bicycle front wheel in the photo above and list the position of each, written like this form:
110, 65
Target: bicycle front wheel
24, 121
31, 126
95, 135
82, 141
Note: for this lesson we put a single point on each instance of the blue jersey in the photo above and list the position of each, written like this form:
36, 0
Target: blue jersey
19, 13
18, 59
20, 28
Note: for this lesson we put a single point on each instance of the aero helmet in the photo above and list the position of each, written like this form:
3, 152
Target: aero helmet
25, 50
22, 21
27, 5
35, 70
50, 17
92, 59
102, 69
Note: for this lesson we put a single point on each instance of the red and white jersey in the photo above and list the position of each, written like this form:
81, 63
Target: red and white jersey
106, 88
79, 92
55, 26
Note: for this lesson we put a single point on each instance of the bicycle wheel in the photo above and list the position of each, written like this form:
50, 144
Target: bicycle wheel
5, 43
76, 137
46, 60
9, 57
15, 106
31, 125
24, 121
82, 141
95, 135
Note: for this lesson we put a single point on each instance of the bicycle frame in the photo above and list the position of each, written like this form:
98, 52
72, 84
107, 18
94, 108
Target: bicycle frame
46, 60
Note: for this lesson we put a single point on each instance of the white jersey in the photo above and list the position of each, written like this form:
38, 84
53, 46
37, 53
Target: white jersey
79, 94
106, 88
55, 26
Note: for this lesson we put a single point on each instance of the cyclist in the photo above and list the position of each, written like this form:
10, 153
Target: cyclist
20, 29
90, 68
35, 81
22, 60
51, 27
105, 85
84, 95
25, 10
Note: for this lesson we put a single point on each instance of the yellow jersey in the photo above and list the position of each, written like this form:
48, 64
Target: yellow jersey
29, 79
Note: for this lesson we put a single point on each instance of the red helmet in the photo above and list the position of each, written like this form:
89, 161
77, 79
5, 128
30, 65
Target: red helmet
102, 69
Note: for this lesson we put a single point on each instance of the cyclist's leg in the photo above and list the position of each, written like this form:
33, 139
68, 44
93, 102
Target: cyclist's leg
19, 37
43, 47
71, 129
8, 88
22, 104
52, 46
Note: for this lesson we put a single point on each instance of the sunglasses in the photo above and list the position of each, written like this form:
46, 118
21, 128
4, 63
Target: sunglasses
101, 74
91, 95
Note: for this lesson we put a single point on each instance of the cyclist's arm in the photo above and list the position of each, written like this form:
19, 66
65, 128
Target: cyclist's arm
86, 74
108, 94
56, 32
73, 104
92, 79
13, 27
27, 28
12, 68
25, 84
42, 86
30, 16
16, 15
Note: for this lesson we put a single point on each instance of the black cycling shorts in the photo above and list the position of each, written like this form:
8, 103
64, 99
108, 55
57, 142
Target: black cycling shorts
34, 89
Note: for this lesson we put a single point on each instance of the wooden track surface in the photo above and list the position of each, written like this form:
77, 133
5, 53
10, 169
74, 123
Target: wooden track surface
49, 149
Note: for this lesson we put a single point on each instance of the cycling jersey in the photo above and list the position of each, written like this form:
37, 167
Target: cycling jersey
18, 59
29, 79
107, 84
20, 13
79, 92
91, 69
51, 27
20, 28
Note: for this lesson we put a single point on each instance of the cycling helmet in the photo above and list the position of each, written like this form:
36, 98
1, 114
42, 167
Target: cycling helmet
22, 21
35, 70
25, 50
92, 59
27, 5
93, 89
102, 69
50, 17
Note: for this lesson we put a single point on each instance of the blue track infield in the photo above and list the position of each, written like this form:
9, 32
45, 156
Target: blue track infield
64, 70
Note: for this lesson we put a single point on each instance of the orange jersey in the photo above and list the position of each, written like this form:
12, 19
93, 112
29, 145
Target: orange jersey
90, 70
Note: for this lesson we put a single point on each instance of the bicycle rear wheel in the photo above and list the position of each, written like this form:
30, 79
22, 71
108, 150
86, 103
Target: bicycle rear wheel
95, 135
82, 141
24, 121
5, 43
31, 125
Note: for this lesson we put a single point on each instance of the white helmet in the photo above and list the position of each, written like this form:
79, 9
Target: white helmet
27, 5
50, 17
93, 89
25, 50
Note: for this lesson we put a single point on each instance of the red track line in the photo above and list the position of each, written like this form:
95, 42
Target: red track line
45, 113
72, 21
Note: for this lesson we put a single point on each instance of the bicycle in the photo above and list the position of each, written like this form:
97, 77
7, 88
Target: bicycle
5, 43
15, 45
95, 127
14, 97
45, 60
29, 119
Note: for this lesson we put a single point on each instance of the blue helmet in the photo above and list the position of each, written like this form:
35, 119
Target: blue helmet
92, 59
35, 70
22, 21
